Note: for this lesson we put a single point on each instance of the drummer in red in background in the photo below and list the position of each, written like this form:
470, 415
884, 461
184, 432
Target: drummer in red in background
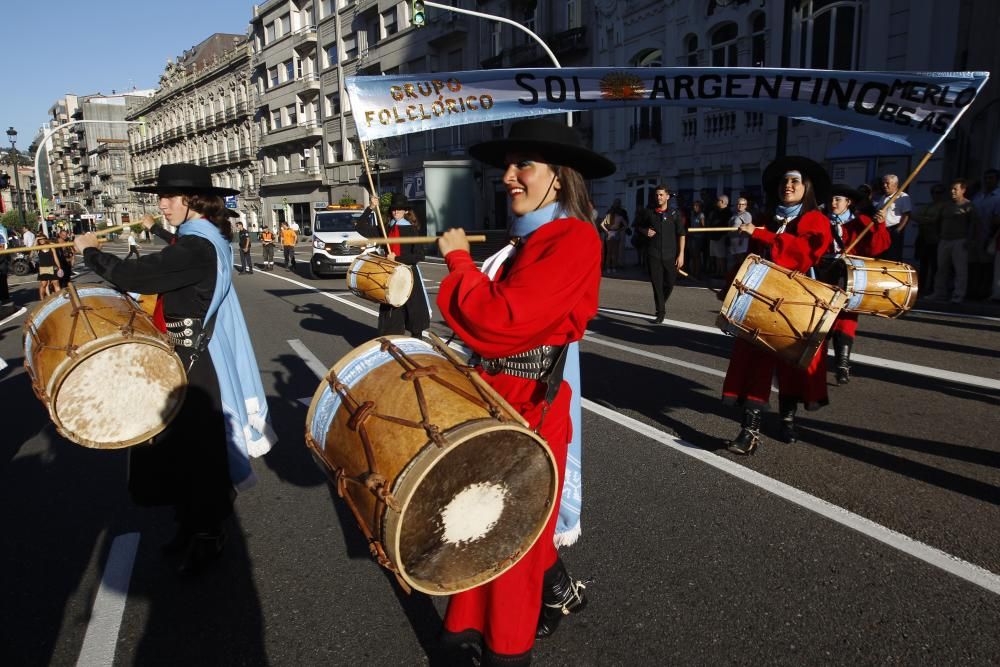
794, 235
543, 291
845, 226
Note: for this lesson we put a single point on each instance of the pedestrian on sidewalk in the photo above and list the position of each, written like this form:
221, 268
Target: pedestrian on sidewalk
288, 240
665, 236
133, 245
244, 240
267, 245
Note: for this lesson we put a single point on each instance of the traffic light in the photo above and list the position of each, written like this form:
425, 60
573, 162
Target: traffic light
418, 15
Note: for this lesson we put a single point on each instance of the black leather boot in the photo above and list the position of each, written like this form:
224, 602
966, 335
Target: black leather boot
787, 407
842, 345
203, 550
748, 439
561, 596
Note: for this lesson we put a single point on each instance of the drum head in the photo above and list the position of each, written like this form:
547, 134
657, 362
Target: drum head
400, 286
119, 395
471, 511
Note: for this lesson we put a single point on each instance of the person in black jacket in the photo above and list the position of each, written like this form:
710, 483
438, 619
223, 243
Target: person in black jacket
664, 230
188, 464
414, 315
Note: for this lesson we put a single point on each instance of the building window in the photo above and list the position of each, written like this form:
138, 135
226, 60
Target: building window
572, 14
334, 152
325, 8
724, 45
647, 122
272, 77
350, 46
289, 70
270, 35
389, 22
758, 40
286, 24
496, 39
333, 104
290, 112
276, 119
830, 35
330, 55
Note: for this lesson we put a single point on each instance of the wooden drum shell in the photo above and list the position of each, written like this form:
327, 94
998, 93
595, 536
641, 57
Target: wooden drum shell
478, 451
107, 376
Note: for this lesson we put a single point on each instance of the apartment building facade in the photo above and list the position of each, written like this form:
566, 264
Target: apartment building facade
700, 152
202, 113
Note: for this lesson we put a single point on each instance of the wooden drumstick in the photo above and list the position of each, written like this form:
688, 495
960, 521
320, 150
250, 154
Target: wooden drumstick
407, 240
67, 244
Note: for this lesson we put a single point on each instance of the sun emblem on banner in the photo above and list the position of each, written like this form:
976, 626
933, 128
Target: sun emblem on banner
622, 86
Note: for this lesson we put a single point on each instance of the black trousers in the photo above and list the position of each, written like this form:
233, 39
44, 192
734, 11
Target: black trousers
4, 289
289, 255
663, 275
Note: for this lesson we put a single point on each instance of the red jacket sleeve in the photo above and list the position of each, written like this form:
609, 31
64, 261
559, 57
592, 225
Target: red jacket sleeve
545, 298
801, 247
874, 243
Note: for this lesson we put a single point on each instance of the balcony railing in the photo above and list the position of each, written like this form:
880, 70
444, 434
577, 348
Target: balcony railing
303, 175
720, 124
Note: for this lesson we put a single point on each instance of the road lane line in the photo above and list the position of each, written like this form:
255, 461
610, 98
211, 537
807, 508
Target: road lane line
334, 297
106, 617
939, 559
307, 356
930, 555
863, 359
13, 316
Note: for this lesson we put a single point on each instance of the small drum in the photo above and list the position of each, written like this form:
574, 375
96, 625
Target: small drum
783, 311
380, 279
441, 474
879, 286
108, 378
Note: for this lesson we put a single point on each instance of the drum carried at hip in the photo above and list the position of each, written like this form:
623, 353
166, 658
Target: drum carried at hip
380, 279
877, 287
782, 311
107, 376
443, 477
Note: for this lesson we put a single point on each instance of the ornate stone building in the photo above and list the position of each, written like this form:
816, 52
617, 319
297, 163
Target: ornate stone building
202, 113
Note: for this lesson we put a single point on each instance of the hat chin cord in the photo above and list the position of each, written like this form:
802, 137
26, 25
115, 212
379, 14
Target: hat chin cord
548, 190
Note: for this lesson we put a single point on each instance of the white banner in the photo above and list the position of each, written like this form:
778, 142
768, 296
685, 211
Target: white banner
916, 109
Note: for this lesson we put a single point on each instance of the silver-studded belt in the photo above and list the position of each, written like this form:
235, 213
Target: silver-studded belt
185, 332
534, 364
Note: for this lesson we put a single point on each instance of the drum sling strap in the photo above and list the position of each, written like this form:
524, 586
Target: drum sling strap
189, 334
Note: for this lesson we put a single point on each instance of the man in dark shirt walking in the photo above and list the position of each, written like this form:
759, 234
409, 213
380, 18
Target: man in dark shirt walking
245, 258
665, 234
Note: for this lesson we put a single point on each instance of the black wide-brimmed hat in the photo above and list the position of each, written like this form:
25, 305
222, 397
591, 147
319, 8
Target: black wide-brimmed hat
399, 202
844, 190
554, 142
809, 169
185, 179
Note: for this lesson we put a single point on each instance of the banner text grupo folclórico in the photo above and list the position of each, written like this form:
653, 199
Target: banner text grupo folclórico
916, 109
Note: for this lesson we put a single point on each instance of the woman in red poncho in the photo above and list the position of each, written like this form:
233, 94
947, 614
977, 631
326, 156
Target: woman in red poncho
845, 226
527, 304
794, 235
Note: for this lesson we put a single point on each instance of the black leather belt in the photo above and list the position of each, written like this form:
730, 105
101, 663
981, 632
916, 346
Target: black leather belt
534, 364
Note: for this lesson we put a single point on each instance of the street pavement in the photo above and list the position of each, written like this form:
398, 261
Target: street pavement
874, 540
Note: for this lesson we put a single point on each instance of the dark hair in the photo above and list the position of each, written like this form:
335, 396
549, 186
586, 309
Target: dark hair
960, 181
809, 202
213, 209
572, 194
412, 218
662, 187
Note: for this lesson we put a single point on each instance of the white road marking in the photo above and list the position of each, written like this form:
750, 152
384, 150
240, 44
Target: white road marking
105, 619
930, 555
13, 316
328, 295
863, 359
940, 559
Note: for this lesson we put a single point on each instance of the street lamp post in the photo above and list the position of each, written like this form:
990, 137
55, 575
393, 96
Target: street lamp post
12, 135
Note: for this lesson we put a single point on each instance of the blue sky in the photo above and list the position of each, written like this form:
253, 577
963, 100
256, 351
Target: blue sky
55, 47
